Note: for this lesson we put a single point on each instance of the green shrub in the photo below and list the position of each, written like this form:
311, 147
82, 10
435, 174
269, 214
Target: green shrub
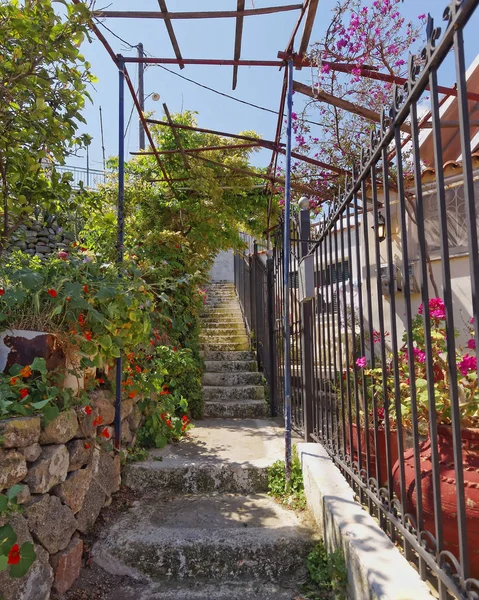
288, 493
327, 574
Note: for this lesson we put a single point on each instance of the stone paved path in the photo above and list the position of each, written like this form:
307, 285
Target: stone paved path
203, 527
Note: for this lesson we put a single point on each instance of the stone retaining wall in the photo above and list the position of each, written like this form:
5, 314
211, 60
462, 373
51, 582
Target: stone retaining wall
40, 239
68, 477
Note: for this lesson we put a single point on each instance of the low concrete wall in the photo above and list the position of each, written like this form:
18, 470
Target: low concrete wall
223, 267
376, 569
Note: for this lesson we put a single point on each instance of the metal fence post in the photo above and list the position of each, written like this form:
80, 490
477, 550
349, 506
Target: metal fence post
272, 342
307, 338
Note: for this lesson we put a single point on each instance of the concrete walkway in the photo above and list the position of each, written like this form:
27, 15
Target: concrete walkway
204, 527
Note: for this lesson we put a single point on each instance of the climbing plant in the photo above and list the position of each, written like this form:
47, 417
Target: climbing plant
43, 88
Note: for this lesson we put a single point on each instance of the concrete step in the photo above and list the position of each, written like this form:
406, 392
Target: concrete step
222, 393
225, 347
207, 538
221, 329
230, 355
222, 310
236, 409
231, 366
232, 379
191, 590
231, 338
222, 323
227, 456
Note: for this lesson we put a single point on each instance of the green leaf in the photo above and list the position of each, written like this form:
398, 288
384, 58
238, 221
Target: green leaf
14, 491
8, 537
40, 365
50, 412
3, 562
105, 342
3, 503
31, 280
41, 403
27, 558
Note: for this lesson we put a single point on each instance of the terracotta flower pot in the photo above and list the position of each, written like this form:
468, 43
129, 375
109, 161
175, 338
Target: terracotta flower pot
381, 440
470, 454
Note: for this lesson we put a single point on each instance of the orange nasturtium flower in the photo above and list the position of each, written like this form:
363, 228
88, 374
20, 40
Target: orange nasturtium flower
26, 372
13, 380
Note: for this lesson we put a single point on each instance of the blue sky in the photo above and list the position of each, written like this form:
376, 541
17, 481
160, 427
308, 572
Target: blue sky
263, 37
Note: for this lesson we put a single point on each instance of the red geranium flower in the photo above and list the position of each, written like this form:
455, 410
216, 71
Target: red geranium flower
85, 289
24, 393
81, 319
105, 433
100, 381
2, 292
164, 393
168, 422
174, 348
138, 369
162, 416
98, 421
88, 410
88, 335
53, 293
185, 419
14, 555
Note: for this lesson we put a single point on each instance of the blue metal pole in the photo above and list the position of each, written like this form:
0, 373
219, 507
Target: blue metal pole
286, 269
121, 202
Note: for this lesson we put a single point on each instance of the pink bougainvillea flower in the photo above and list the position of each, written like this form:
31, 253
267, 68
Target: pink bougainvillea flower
437, 309
376, 337
53, 293
468, 363
14, 555
420, 355
471, 344
361, 362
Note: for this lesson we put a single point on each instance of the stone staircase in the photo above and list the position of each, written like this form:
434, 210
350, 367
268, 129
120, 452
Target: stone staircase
232, 386
204, 527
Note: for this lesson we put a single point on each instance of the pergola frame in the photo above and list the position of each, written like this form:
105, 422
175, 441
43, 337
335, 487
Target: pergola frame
288, 59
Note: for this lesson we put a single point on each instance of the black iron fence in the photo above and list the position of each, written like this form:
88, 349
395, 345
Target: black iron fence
384, 314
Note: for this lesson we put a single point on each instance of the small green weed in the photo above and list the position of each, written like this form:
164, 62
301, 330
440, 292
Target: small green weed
136, 454
288, 493
328, 576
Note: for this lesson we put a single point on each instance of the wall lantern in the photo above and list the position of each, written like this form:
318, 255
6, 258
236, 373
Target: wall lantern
381, 230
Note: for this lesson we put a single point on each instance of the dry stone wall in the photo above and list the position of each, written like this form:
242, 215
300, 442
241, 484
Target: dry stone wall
68, 478
40, 238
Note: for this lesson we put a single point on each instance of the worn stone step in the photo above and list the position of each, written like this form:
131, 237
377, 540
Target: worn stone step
217, 456
236, 409
231, 338
224, 366
225, 347
222, 310
230, 355
222, 329
222, 323
239, 392
207, 538
232, 379
192, 590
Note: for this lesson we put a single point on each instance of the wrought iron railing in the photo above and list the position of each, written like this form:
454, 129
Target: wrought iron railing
383, 361
88, 178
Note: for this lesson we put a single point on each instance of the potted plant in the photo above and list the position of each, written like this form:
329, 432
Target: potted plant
376, 437
466, 375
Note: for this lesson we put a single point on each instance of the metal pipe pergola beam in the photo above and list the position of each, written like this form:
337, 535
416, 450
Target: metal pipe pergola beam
171, 33
308, 27
264, 143
221, 62
238, 39
195, 150
371, 115
372, 74
217, 14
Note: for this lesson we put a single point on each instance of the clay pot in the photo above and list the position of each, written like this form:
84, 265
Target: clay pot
470, 461
381, 441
